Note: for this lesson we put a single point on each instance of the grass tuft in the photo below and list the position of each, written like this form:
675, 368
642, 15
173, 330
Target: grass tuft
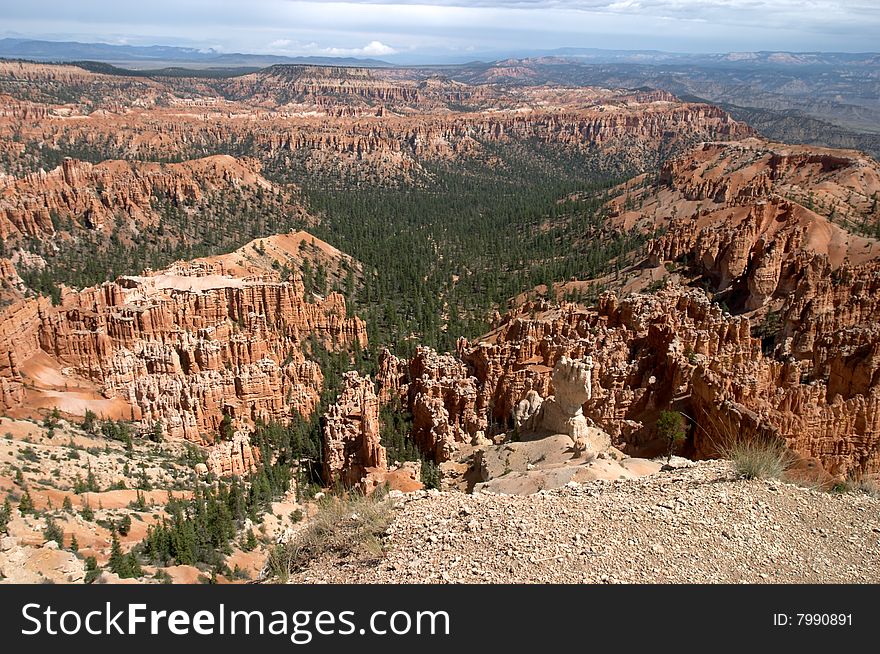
859, 484
758, 459
343, 526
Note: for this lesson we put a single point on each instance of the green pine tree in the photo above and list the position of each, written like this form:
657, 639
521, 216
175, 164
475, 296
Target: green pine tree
91, 481
250, 542
26, 504
124, 525
90, 421
92, 570
227, 430
117, 563
53, 532
133, 567
86, 512
157, 432
5, 516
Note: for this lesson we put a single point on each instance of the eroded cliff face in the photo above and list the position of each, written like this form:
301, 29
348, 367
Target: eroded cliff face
336, 88
182, 347
652, 352
440, 393
751, 217
352, 446
80, 195
376, 125
236, 457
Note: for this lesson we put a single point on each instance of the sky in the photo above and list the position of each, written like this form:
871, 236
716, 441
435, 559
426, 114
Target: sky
453, 29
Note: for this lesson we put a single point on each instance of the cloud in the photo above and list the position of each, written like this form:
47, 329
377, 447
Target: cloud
399, 28
377, 48
372, 49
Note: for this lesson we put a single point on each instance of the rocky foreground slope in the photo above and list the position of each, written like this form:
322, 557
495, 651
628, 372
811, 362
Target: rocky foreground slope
698, 524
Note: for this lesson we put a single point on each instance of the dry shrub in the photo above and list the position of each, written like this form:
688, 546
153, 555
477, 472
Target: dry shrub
344, 526
753, 456
758, 459
859, 483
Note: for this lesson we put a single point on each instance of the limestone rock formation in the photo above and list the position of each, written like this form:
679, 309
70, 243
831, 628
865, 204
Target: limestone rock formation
92, 196
562, 412
677, 349
525, 467
441, 396
351, 434
370, 124
406, 478
236, 457
27, 564
181, 347
750, 215
525, 411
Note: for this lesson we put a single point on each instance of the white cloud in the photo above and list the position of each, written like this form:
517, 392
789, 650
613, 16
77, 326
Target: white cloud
395, 28
372, 49
377, 48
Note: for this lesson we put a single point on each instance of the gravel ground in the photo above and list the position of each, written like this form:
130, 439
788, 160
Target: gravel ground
693, 525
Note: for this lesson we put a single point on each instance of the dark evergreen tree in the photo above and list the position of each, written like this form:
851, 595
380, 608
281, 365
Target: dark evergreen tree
53, 532
5, 516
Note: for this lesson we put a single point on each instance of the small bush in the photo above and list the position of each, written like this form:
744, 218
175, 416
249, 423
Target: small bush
342, 526
5, 516
26, 504
126, 566
93, 571
757, 459
28, 454
858, 484
124, 525
430, 474
163, 576
54, 532
250, 541
90, 422
670, 427
139, 504
87, 513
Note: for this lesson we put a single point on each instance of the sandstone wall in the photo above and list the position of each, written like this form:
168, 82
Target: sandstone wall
184, 349
652, 352
351, 434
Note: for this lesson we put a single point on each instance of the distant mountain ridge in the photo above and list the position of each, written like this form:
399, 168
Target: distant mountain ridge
159, 55
170, 56
735, 59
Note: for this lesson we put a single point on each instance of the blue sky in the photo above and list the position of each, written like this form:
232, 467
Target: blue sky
464, 29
